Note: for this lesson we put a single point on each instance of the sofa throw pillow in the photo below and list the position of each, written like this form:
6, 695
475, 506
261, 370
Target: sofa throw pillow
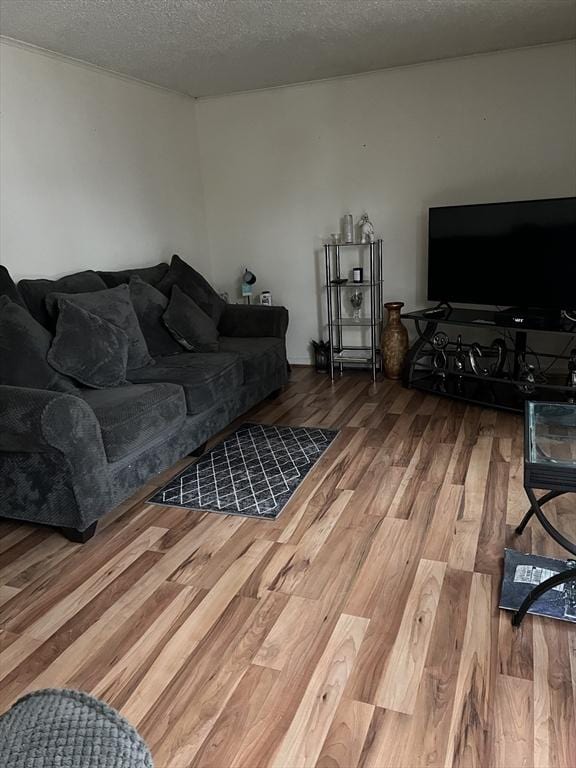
189, 324
24, 346
34, 292
88, 349
149, 305
115, 306
8, 287
151, 275
195, 286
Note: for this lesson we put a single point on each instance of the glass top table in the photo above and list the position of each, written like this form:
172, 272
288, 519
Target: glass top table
550, 465
552, 434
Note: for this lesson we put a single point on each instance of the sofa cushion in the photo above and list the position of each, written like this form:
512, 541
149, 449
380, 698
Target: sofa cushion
34, 292
207, 378
133, 417
149, 305
151, 275
189, 324
90, 350
24, 345
193, 284
115, 306
260, 357
8, 287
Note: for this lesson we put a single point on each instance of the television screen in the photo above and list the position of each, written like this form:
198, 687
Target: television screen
520, 254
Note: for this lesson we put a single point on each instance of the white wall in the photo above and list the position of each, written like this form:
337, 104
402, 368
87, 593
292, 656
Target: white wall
96, 171
281, 166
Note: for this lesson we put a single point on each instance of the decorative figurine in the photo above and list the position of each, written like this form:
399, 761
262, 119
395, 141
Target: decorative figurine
366, 229
526, 381
496, 353
356, 298
440, 343
460, 357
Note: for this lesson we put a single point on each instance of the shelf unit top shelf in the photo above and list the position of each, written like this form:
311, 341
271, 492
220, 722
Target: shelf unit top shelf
348, 245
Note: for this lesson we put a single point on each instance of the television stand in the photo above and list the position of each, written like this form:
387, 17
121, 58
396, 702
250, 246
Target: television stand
501, 372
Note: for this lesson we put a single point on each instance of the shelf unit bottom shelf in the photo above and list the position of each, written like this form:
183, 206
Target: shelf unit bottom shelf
355, 357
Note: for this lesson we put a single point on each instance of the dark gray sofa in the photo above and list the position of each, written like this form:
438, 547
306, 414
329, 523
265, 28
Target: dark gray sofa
68, 459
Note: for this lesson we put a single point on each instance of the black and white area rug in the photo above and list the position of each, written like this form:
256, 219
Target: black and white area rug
253, 472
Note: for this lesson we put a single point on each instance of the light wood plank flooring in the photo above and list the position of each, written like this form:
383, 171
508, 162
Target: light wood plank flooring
360, 629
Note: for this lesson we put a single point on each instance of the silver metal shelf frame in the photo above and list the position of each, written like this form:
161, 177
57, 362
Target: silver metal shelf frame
337, 322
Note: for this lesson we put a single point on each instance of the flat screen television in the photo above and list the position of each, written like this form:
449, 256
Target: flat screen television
517, 254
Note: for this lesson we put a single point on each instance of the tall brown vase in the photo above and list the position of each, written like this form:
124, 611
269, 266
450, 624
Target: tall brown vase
394, 341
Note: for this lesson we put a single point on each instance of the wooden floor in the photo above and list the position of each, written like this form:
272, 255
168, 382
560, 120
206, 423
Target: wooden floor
360, 629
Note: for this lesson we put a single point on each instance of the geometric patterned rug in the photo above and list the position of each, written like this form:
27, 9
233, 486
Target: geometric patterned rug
253, 472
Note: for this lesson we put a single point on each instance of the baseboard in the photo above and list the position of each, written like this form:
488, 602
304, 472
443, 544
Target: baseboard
300, 361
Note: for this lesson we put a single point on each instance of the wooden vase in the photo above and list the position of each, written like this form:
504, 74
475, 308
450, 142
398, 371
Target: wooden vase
394, 341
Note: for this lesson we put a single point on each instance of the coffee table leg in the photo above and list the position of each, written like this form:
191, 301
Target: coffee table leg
559, 578
534, 501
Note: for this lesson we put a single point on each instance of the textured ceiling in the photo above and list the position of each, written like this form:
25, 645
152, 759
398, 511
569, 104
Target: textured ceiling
207, 47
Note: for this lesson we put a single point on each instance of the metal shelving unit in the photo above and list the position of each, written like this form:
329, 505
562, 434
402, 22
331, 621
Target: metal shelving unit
341, 353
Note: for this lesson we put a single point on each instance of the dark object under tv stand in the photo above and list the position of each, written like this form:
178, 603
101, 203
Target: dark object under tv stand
441, 359
519, 317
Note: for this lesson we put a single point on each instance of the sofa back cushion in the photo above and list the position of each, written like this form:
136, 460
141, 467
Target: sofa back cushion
151, 275
189, 324
150, 305
24, 346
8, 287
34, 292
87, 348
115, 306
195, 286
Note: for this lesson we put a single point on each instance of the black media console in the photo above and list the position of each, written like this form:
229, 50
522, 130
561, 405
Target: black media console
501, 373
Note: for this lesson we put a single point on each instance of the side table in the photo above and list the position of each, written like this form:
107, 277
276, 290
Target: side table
550, 465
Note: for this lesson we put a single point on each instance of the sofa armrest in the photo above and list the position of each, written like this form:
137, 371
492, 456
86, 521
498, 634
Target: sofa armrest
38, 421
253, 320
